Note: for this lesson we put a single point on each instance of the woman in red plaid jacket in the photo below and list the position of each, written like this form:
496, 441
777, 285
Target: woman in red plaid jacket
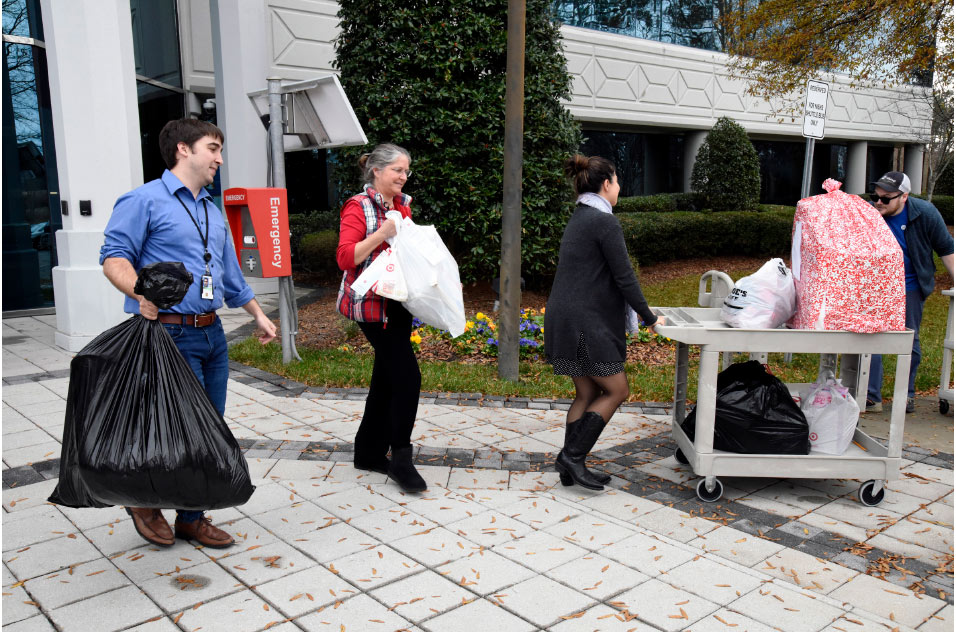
392, 402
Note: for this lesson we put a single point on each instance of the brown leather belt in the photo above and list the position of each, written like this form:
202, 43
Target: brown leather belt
193, 320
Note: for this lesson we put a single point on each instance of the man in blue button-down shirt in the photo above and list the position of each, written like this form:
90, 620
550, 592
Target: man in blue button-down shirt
173, 219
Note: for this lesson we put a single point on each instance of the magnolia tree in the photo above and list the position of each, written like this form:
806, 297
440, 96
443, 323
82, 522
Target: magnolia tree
431, 77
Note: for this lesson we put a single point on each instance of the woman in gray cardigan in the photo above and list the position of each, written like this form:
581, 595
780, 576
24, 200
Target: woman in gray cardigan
584, 322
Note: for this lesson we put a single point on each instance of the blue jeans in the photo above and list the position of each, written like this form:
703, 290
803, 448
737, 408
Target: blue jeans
207, 354
914, 316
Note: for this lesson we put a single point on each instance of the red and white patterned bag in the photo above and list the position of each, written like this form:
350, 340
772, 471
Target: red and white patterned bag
847, 266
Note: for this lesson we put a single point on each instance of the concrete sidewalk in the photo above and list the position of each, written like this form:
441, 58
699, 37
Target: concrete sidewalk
495, 543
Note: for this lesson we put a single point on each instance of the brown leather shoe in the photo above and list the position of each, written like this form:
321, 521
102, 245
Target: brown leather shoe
151, 525
204, 532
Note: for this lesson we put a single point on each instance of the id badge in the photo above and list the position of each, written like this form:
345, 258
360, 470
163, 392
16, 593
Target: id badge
207, 286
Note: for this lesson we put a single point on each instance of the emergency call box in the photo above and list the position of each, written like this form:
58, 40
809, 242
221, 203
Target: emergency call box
259, 222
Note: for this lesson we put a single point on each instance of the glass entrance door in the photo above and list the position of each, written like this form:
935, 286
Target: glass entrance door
31, 213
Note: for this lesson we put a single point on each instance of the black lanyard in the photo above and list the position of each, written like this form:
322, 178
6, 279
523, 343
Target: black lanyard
205, 238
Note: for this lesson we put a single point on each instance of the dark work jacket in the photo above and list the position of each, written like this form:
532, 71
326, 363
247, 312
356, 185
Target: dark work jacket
594, 280
925, 232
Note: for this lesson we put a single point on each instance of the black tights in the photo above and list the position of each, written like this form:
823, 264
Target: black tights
392, 402
602, 395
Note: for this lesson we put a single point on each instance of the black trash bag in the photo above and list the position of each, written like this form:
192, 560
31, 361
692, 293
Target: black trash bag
755, 414
140, 430
164, 283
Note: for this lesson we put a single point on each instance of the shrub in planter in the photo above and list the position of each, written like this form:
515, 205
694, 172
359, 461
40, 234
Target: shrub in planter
318, 254
727, 169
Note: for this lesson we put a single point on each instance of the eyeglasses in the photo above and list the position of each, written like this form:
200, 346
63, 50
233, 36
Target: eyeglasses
883, 198
407, 172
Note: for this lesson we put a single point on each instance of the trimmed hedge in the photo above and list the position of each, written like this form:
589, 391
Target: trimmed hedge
318, 253
302, 224
655, 237
945, 205
660, 203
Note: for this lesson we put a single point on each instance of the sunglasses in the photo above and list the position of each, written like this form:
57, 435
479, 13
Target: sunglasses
882, 198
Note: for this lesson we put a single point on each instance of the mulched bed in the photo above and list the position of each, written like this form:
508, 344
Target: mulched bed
321, 326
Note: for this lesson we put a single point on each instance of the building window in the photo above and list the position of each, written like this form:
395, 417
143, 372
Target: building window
646, 163
684, 22
31, 213
159, 76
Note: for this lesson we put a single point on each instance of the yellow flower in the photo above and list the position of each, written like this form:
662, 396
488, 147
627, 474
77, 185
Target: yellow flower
469, 325
491, 326
542, 311
416, 339
480, 316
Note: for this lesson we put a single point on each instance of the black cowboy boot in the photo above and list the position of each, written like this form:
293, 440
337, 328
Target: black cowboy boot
570, 462
570, 430
402, 471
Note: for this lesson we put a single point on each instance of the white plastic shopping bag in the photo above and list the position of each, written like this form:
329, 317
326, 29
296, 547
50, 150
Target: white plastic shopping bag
832, 414
764, 300
391, 283
370, 276
431, 276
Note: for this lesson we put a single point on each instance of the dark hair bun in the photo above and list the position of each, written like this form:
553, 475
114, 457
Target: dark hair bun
362, 160
575, 165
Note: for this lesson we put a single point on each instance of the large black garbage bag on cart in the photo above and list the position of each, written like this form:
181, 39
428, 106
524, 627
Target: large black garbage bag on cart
755, 414
140, 430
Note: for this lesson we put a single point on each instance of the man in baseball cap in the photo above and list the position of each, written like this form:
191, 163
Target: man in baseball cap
920, 230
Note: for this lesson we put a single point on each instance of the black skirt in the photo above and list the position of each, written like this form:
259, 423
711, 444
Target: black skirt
581, 366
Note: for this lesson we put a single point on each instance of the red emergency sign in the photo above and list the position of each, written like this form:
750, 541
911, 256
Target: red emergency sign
259, 222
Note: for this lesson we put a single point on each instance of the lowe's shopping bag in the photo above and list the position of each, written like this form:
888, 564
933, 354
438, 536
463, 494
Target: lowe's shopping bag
140, 430
755, 414
764, 300
431, 276
832, 414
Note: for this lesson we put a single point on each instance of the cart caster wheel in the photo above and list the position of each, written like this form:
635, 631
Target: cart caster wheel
709, 497
866, 494
679, 455
943, 407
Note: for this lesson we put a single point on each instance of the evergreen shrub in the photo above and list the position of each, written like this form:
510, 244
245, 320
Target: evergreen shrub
727, 169
302, 224
431, 77
656, 237
318, 254
659, 203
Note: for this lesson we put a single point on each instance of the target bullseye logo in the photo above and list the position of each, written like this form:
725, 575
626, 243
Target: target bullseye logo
390, 267
813, 436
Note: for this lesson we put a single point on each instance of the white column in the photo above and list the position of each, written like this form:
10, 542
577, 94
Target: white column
856, 168
89, 46
241, 58
692, 142
913, 166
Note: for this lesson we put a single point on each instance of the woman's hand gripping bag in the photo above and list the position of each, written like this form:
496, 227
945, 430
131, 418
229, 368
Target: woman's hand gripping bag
140, 430
431, 277
832, 414
764, 300
847, 266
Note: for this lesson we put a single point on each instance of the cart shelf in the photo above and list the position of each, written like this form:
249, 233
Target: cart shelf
868, 459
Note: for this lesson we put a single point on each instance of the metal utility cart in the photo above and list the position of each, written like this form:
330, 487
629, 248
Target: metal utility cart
703, 327
945, 391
